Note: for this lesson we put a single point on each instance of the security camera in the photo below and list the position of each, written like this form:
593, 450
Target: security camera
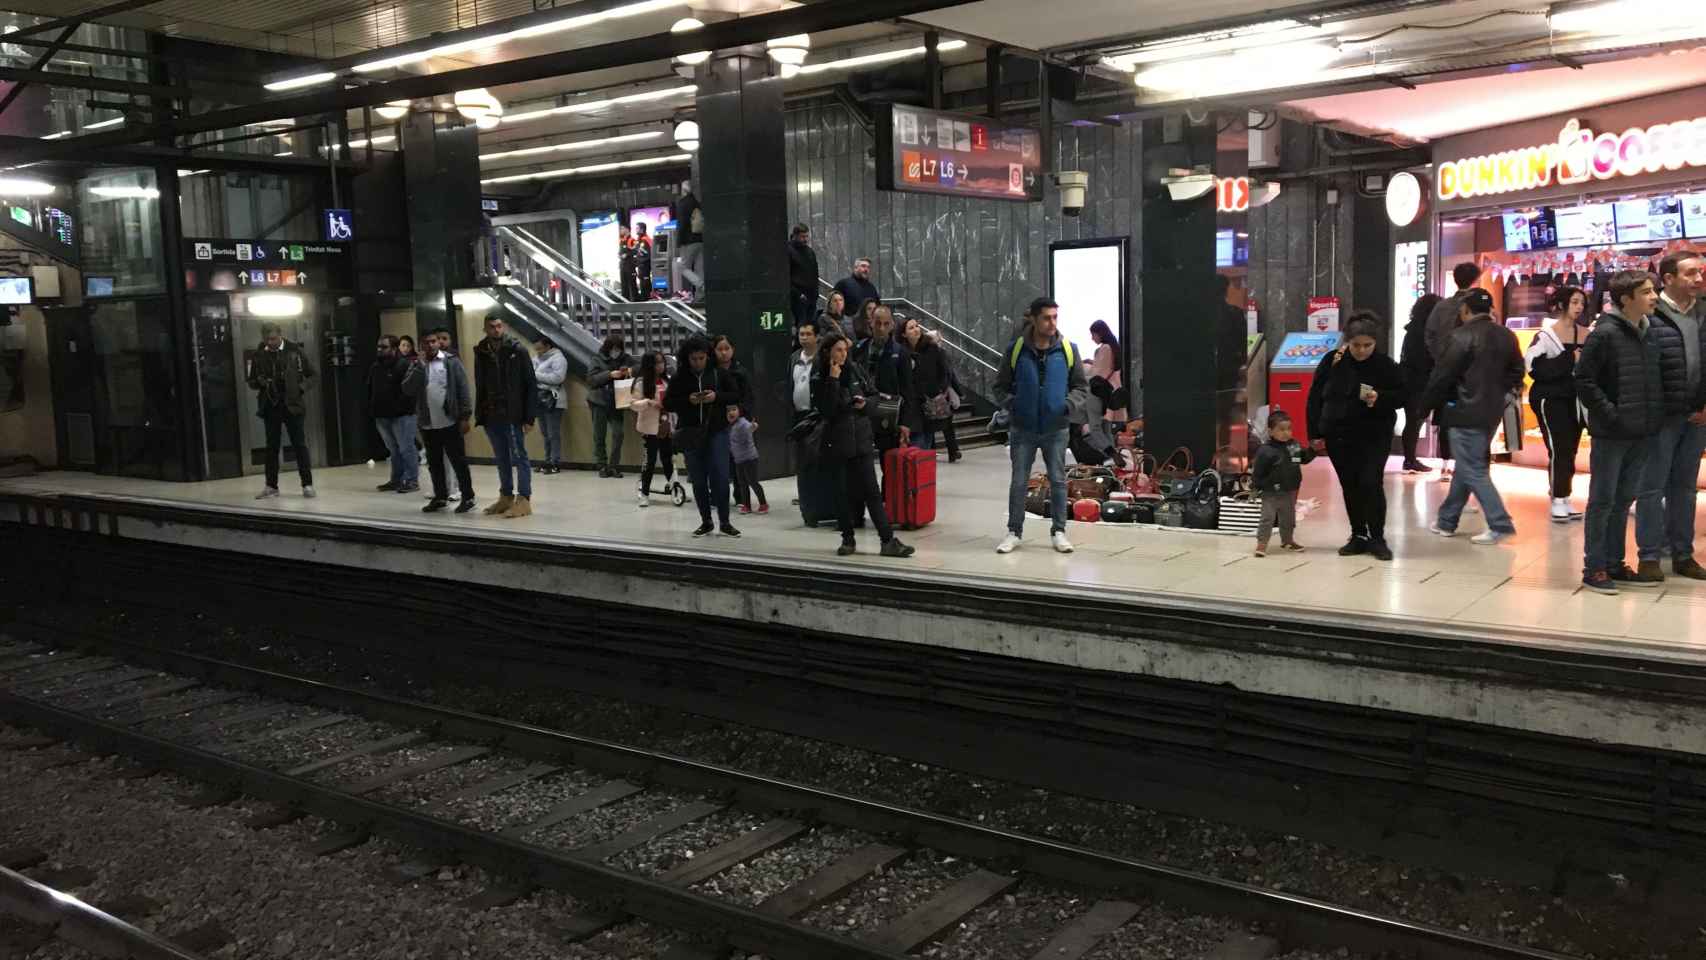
1072, 184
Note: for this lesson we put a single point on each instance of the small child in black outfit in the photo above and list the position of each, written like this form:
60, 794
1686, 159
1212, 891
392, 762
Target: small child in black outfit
1276, 476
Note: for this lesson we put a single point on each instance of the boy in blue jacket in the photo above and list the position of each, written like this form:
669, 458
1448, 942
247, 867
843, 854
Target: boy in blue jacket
1276, 475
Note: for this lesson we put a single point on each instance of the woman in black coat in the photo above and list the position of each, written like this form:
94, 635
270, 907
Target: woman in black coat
1353, 406
839, 394
930, 379
699, 395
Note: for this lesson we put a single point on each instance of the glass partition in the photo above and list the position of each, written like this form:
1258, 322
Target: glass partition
121, 230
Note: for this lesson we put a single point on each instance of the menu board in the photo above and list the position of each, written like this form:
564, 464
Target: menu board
927, 151
1654, 218
1589, 225
1530, 230
1694, 214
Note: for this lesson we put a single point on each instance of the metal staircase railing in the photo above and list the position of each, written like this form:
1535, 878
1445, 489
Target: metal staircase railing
956, 339
559, 285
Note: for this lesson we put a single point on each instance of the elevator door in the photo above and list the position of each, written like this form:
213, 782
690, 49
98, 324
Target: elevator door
306, 331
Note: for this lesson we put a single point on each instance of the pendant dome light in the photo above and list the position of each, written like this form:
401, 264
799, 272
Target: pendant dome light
789, 51
687, 135
394, 110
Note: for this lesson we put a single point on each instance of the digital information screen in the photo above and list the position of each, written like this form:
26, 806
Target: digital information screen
15, 291
1088, 279
957, 155
1694, 214
1589, 225
1655, 218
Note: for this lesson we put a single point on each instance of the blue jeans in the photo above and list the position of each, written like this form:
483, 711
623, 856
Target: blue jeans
551, 428
1472, 447
708, 468
1664, 508
399, 436
1616, 466
924, 439
510, 451
1023, 446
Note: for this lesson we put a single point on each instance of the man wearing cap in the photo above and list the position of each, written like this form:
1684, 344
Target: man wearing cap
1478, 371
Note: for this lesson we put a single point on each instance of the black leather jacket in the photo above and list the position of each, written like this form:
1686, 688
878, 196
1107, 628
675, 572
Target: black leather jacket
1482, 364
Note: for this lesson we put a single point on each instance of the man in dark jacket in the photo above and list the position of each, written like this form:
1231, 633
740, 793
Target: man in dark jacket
1664, 507
1446, 313
802, 275
505, 398
393, 412
1470, 387
612, 362
1040, 385
443, 407
856, 289
1619, 380
279, 373
1418, 367
887, 365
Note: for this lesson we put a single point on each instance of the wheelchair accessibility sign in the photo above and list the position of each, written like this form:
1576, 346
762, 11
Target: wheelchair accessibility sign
339, 226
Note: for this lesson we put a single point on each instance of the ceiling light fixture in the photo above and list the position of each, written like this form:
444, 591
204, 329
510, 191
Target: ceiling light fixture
887, 56
56, 136
488, 122
393, 110
593, 168
306, 80
21, 187
789, 50
182, 173
476, 103
1271, 33
126, 193
1262, 68
103, 123
1615, 17
571, 145
498, 39
687, 135
274, 305
684, 63
588, 106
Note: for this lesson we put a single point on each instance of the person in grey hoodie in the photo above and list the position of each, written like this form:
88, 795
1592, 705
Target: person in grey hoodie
444, 407
550, 369
612, 363
1664, 509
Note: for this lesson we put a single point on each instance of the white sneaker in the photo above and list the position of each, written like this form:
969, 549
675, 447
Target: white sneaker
1438, 530
1061, 544
1008, 544
644, 500
309, 492
1560, 510
267, 493
1488, 537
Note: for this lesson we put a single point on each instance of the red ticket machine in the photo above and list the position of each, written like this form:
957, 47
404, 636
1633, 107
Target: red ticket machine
1292, 372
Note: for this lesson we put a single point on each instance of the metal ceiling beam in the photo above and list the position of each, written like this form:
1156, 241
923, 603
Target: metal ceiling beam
728, 34
86, 48
83, 82
77, 20
41, 61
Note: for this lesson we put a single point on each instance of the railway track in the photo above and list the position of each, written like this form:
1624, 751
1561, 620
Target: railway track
549, 809
46, 912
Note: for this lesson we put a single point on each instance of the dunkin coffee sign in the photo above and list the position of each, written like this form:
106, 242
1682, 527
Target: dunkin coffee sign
1580, 155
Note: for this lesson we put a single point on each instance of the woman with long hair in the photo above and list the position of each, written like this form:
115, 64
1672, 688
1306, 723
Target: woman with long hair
699, 395
832, 310
931, 382
1353, 406
845, 401
1551, 362
652, 422
1108, 362
723, 355
1417, 365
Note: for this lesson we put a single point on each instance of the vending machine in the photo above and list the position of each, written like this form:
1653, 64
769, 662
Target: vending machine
1291, 373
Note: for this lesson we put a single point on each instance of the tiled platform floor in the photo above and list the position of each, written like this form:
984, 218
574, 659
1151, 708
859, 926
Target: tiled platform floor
1525, 590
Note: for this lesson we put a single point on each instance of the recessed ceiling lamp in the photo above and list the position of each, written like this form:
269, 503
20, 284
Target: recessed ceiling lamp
20, 187
684, 63
393, 110
275, 305
1263, 68
306, 80
789, 51
687, 135
126, 193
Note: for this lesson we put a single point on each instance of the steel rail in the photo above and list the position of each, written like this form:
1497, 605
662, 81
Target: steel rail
81, 925
1304, 920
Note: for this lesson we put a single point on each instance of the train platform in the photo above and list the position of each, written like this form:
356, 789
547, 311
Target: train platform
1499, 635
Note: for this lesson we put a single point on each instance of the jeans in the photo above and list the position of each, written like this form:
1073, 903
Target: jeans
691, 259
749, 488
279, 420
606, 422
1562, 431
924, 439
804, 306
708, 468
861, 494
1280, 508
509, 449
1472, 447
1360, 463
1023, 446
551, 428
657, 451
445, 444
399, 436
1615, 466
1664, 507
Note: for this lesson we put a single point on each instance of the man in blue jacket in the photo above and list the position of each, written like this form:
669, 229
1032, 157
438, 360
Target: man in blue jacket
1039, 385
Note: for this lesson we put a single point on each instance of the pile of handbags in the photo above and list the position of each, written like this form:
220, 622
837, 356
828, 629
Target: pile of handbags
1169, 493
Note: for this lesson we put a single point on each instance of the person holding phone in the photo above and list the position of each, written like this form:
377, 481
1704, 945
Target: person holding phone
842, 393
1353, 409
444, 404
699, 395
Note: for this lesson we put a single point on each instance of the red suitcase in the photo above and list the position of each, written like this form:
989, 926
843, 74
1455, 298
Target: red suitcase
909, 486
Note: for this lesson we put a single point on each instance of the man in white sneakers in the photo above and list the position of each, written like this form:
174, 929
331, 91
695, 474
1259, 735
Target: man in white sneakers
1040, 383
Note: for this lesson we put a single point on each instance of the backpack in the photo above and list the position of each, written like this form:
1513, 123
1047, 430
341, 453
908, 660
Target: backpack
1019, 345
